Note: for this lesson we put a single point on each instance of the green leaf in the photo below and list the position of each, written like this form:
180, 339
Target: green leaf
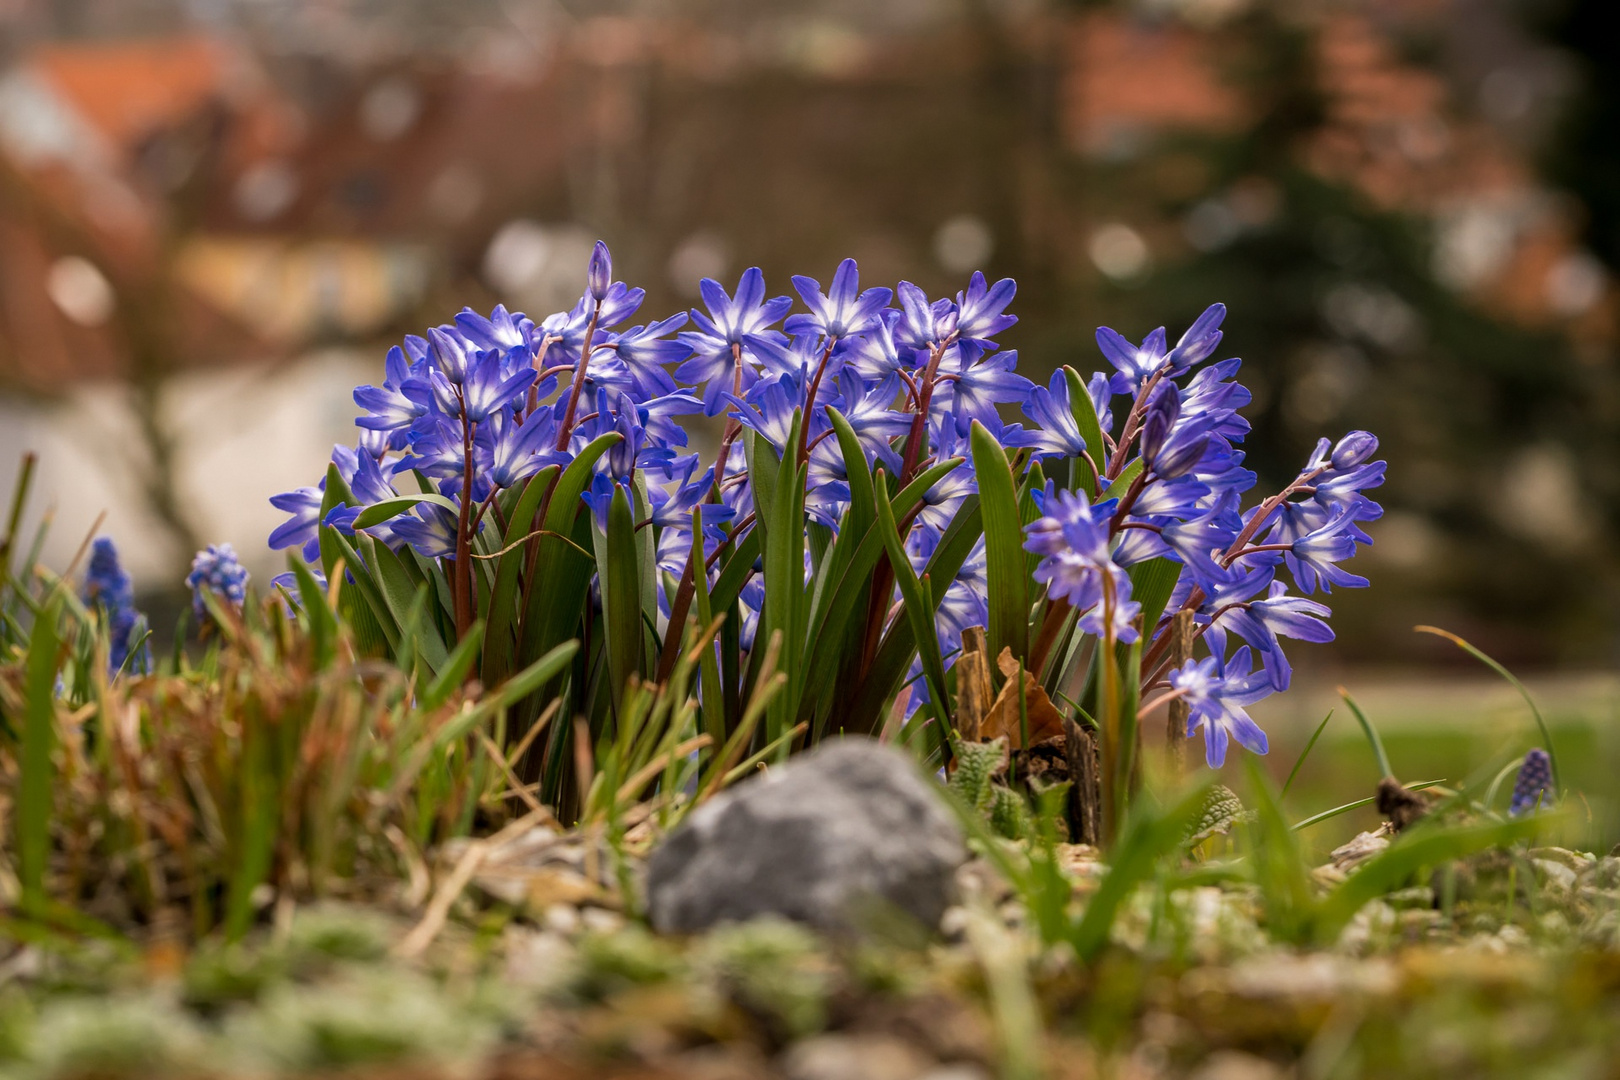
1149, 835
899, 643
322, 620
453, 670
1126, 478
35, 785
554, 598
1152, 583
400, 590
377, 513
1512, 680
617, 569
712, 699
918, 604
370, 592
514, 690
499, 642
780, 506
1005, 565
1371, 732
1085, 415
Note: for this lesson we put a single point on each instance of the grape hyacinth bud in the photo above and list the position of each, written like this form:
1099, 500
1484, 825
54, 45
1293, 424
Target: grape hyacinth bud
600, 272
108, 587
1533, 787
216, 569
1354, 449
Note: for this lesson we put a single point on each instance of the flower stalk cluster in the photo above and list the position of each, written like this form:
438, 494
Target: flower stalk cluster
525, 482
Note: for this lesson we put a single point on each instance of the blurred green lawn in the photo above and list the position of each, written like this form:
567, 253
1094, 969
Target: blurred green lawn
1452, 727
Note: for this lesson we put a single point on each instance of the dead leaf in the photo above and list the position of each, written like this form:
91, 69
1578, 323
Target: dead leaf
1043, 719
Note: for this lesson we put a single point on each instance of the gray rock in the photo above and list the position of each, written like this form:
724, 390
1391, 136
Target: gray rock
833, 839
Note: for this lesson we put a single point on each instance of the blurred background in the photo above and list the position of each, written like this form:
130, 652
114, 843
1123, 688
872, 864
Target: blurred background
215, 215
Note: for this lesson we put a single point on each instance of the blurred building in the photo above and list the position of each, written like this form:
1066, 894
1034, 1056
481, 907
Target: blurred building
213, 217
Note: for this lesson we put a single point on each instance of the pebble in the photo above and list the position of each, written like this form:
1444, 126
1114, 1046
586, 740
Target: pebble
855, 1057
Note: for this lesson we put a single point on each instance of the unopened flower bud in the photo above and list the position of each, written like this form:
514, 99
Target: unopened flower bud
1163, 409
600, 273
1354, 449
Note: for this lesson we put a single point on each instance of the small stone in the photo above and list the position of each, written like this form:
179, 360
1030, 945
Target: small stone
1236, 1065
600, 920
848, 832
1557, 877
855, 1057
562, 919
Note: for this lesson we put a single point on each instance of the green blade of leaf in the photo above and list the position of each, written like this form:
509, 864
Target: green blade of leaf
1005, 563
36, 784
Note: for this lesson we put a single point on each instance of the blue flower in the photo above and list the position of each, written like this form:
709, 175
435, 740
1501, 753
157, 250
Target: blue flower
216, 569
1533, 787
1216, 695
1135, 363
1262, 622
1199, 541
923, 324
1073, 534
769, 409
869, 411
1200, 340
511, 452
108, 587
844, 310
718, 341
302, 529
980, 309
1314, 557
1059, 432
388, 409
503, 332
874, 354
1171, 444
973, 391
432, 532
487, 389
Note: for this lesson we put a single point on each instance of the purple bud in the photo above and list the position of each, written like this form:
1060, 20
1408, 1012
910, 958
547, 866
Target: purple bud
1533, 786
1354, 449
1163, 409
600, 273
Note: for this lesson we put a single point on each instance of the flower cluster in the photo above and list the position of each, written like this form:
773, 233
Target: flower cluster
1533, 787
107, 587
477, 406
1170, 485
1144, 462
216, 569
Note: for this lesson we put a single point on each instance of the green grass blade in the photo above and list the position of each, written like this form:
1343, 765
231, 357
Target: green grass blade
1317, 819
1149, 836
1541, 722
35, 787
1371, 732
1305, 753
1412, 852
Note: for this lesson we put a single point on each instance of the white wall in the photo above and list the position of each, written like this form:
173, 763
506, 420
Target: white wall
243, 435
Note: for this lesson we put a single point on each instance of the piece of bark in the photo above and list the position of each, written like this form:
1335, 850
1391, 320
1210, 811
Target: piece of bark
1085, 794
972, 684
